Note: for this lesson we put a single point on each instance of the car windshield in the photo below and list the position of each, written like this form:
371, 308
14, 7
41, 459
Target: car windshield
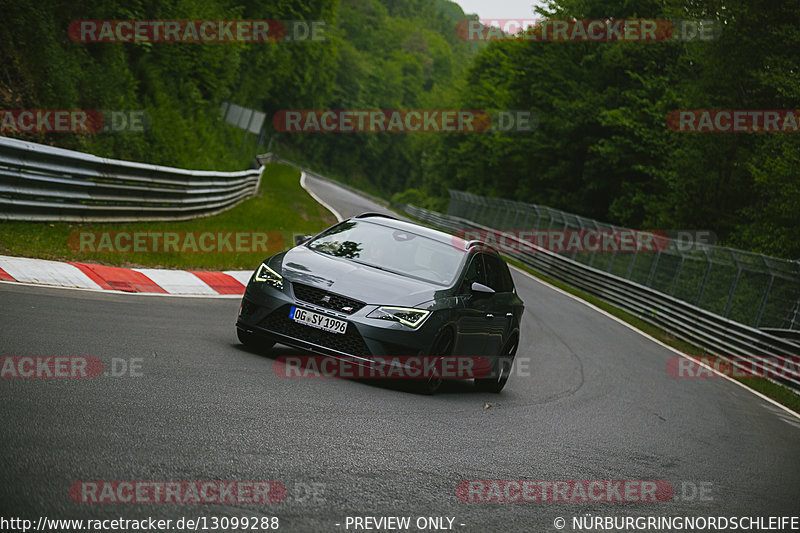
395, 250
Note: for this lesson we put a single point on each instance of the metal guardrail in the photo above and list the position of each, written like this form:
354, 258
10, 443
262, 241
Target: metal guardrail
746, 287
40, 182
720, 336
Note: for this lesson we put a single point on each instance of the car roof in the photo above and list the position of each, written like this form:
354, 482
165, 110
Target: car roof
424, 231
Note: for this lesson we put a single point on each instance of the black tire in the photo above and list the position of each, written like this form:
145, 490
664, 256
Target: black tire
443, 346
501, 369
253, 340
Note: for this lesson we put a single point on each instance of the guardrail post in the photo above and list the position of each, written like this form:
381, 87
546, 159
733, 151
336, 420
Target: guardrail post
484, 212
629, 272
653, 268
767, 290
538, 216
580, 223
611, 262
705, 278
594, 254
677, 275
506, 208
497, 211
764, 299
552, 220
526, 225
794, 312
735, 284
516, 216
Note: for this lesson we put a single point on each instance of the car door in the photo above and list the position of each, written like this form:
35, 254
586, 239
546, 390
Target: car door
471, 321
498, 309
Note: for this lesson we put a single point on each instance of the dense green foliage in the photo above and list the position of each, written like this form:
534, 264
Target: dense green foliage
602, 147
180, 85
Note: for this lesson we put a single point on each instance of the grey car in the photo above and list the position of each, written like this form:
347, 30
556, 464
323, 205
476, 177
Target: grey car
375, 286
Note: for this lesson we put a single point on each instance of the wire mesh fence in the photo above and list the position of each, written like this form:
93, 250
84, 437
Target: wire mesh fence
749, 288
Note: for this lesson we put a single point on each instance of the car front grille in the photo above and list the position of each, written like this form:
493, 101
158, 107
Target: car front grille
349, 342
328, 300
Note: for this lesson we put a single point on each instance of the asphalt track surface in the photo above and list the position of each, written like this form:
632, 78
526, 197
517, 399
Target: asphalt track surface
590, 399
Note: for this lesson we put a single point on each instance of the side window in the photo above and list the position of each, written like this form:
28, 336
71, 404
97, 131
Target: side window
497, 274
475, 272
508, 281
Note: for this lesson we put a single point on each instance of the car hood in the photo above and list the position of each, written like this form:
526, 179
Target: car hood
345, 277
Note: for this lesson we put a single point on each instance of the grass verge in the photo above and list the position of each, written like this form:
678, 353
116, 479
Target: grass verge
281, 206
770, 389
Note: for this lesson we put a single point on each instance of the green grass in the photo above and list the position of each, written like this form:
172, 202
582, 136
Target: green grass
281, 205
775, 391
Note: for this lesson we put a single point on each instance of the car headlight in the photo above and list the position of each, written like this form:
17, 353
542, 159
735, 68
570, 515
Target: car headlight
269, 276
405, 315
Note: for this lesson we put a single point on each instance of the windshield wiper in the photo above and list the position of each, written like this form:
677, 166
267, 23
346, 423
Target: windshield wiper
376, 266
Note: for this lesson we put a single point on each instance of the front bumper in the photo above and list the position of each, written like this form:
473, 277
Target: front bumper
265, 311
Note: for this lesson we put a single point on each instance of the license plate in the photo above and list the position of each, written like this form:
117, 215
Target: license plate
317, 320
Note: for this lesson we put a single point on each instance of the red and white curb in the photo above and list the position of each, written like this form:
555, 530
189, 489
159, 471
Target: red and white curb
89, 276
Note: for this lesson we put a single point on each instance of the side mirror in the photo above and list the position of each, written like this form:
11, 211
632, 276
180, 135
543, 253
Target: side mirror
479, 289
300, 239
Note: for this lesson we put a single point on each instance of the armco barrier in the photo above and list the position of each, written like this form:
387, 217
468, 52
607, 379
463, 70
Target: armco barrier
747, 287
40, 182
762, 351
